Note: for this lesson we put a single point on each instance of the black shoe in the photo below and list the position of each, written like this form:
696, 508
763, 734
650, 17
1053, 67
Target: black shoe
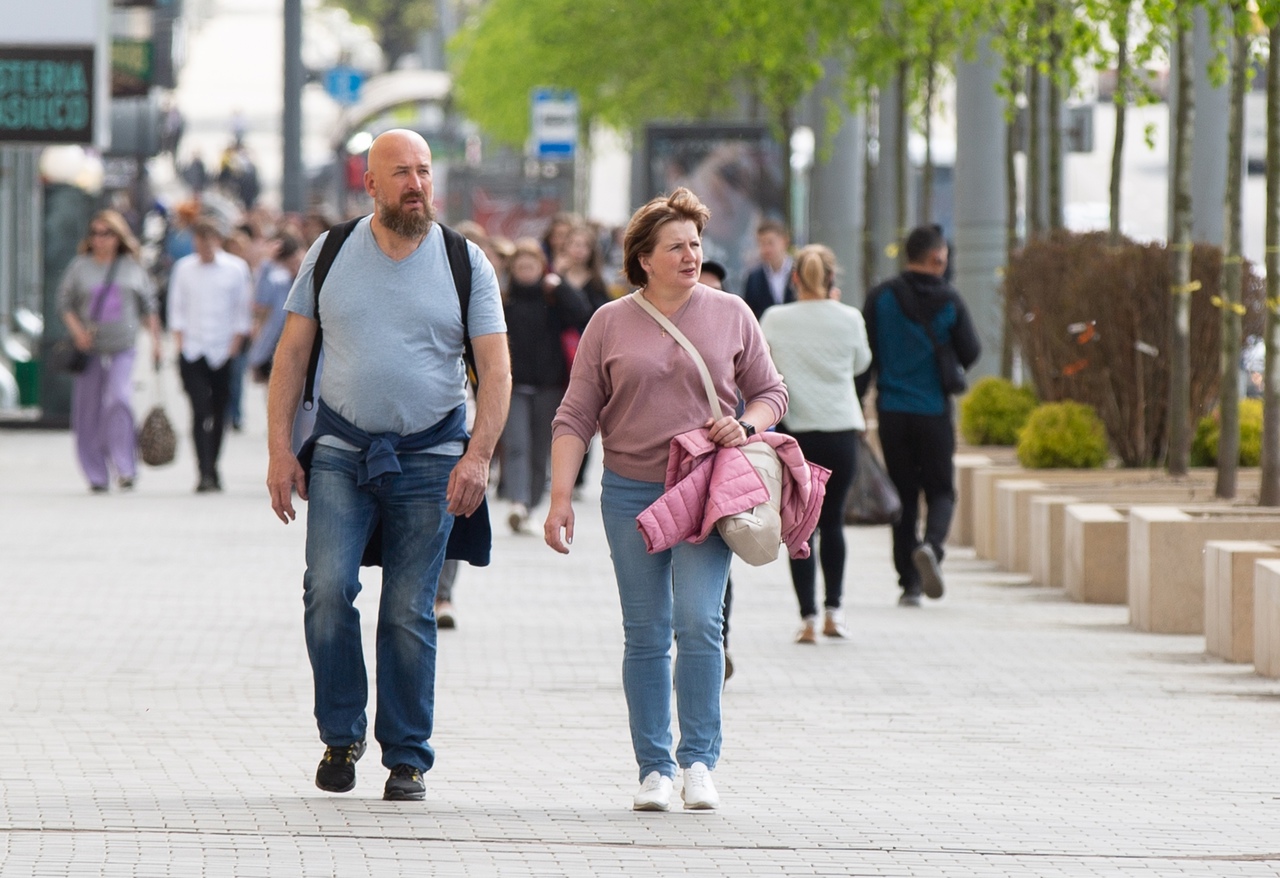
909, 599
208, 485
337, 770
404, 785
126, 484
926, 562
98, 489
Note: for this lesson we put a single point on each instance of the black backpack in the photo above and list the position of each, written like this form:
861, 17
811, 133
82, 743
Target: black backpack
455, 247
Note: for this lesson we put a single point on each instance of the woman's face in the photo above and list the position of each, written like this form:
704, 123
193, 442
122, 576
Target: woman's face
526, 269
578, 248
676, 260
103, 242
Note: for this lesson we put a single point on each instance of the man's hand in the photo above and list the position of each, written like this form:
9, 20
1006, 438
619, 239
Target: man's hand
284, 476
467, 484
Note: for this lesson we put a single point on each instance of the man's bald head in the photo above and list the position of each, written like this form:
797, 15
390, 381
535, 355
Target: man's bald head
399, 181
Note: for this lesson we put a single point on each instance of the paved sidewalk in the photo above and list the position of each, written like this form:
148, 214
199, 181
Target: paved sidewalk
156, 705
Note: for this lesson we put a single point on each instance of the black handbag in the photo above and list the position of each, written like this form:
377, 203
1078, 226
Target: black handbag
872, 497
65, 355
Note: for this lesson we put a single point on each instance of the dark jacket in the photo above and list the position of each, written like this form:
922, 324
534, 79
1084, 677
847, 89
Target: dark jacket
535, 320
903, 364
758, 295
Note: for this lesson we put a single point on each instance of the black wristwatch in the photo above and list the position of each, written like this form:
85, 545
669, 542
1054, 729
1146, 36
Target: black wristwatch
750, 428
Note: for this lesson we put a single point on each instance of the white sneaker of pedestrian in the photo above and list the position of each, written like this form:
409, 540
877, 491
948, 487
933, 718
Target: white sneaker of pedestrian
833, 625
654, 794
519, 515
699, 792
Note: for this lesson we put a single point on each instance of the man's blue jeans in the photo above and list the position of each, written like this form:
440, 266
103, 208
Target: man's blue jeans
415, 529
681, 592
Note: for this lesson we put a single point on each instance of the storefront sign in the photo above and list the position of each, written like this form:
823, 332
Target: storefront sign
46, 94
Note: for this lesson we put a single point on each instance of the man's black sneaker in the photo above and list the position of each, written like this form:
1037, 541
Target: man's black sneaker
404, 785
909, 599
337, 770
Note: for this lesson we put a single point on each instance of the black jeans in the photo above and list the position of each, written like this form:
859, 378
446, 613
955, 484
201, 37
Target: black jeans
835, 451
209, 389
918, 454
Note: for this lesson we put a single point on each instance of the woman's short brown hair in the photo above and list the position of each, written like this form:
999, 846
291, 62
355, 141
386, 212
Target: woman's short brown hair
126, 243
642, 232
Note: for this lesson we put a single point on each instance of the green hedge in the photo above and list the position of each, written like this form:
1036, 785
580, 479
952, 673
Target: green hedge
1065, 435
994, 411
1204, 447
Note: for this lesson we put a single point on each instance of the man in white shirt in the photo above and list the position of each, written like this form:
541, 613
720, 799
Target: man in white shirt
210, 315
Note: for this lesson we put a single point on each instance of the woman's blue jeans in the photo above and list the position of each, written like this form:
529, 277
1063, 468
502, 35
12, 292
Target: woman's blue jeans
678, 592
415, 529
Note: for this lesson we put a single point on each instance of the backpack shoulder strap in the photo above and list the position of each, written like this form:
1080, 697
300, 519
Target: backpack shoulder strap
455, 247
324, 261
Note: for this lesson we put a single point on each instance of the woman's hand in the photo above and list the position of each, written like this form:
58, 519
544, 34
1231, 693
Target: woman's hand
82, 339
726, 432
557, 530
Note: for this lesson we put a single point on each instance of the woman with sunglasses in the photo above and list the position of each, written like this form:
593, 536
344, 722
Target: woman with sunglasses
104, 295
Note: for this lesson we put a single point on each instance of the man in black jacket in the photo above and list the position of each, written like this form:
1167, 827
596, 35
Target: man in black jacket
915, 322
769, 283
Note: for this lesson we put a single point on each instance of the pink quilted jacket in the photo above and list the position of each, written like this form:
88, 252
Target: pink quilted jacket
706, 482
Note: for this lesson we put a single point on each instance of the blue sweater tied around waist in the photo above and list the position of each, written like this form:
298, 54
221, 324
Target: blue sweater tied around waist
471, 538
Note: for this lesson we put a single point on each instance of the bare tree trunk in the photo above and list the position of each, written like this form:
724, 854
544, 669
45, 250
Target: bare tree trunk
1270, 494
903, 158
1180, 248
1011, 241
871, 131
1054, 112
930, 84
1120, 32
1035, 209
1232, 269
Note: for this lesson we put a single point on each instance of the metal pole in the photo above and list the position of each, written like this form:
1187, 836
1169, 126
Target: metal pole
292, 192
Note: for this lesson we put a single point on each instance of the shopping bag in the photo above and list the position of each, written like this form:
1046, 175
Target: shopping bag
872, 498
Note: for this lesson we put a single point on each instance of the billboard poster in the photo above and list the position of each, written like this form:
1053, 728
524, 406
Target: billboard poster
738, 171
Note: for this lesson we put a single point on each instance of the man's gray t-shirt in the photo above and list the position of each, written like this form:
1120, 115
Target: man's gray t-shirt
393, 331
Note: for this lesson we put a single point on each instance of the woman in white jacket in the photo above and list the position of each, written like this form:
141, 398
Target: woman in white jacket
818, 345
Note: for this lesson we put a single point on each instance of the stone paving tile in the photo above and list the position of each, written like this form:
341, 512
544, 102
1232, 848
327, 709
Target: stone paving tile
156, 697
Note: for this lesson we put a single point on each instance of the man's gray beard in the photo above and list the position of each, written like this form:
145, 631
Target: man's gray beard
404, 223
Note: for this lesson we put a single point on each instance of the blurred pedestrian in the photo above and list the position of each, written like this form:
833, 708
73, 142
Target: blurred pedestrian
104, 295
769, 283
210, 295
539, 309
637, 386
907, 318
819, 345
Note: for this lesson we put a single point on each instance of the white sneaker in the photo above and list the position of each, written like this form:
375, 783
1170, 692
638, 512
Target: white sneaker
519, 515
699, 792
833, 625
808, 632
654, 794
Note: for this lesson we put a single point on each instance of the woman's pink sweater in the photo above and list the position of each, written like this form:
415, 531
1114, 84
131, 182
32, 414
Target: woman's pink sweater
642, 389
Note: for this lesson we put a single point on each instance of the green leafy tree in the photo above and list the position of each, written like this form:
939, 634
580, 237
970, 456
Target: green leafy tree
397, 23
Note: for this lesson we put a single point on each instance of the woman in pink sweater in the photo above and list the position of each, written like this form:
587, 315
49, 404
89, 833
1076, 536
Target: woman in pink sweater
640, 388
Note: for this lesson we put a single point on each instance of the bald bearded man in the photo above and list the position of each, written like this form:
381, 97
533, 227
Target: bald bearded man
393, 376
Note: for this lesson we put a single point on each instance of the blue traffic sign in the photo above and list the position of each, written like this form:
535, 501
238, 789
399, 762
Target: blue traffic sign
343, 84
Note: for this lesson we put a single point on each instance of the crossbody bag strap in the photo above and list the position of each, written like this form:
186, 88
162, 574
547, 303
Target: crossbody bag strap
100, 296
707, 384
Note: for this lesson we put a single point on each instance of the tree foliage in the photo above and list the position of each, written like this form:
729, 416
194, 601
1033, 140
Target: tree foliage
397, 23
633, 62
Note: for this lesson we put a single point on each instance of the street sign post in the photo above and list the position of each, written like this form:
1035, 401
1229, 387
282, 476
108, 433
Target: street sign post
554, 124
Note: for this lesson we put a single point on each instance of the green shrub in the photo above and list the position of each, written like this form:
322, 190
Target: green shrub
1204, 447
1063, 434
994, 411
